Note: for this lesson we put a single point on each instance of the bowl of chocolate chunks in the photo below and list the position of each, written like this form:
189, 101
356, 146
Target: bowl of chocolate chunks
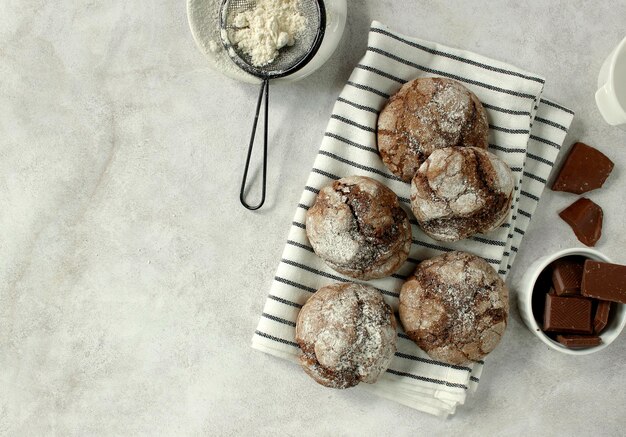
574, 300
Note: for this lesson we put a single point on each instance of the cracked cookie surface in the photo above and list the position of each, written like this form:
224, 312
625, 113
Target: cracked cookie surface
427, 114
347, 334
357, 226
458, 192
455, 307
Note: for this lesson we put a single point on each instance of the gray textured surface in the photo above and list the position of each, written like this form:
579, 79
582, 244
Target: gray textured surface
131, 279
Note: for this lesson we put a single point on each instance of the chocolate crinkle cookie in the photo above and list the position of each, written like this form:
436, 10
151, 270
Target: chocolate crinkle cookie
458, 192
347, 334
427, 114
455, 307
357, 226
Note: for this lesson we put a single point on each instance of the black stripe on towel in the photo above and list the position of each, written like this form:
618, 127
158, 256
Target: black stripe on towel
367, 88
450, 75
330, 276
509, 131
554, 105
473, 378
423, 378
505, 111
351, 143
295, 284
487, 241
284, 301
356, 105
437, 363
277, 339
352, 123
381, 73
300, 245
312, 270
455, 57
359, 166
551, 123
278, 319
540, 159
506, 150
298, 224
325, 173
311, 189
530, 196
399, 276
548, 142
383, 94
535, 177
525, 214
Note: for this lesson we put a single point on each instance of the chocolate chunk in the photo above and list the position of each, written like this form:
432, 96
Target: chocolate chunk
604, 281
571, 314
601, 317
585, 218
567, 274
585, 169
578, 340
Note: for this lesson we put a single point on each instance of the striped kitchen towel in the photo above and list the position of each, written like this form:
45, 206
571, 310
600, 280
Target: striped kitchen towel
526, 131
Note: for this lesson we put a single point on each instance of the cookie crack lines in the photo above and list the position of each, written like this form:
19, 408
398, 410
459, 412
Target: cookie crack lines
454, 307
347, 334
458, 192
357, 226
344, 190
360, 343
428, 114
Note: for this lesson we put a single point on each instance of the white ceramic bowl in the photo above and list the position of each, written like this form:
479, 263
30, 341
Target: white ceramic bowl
203, 17
611, 93
617, 317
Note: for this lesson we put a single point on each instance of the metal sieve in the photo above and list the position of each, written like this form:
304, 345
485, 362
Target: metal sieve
289, 60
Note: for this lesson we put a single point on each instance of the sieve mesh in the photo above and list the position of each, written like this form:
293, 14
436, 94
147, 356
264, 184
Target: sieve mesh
290, 58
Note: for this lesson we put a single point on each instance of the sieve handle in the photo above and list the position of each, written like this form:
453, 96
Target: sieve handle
265, 86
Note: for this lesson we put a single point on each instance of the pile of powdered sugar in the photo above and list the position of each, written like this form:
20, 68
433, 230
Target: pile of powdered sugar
261, 31
204, 17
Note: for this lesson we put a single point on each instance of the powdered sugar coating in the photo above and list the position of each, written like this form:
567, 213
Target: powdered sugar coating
458, 192
347, 334
455, 307
427, 114
358, 228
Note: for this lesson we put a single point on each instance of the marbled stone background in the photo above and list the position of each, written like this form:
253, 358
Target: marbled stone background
131, 279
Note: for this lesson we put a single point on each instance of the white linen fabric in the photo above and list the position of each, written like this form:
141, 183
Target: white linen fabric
526, 131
